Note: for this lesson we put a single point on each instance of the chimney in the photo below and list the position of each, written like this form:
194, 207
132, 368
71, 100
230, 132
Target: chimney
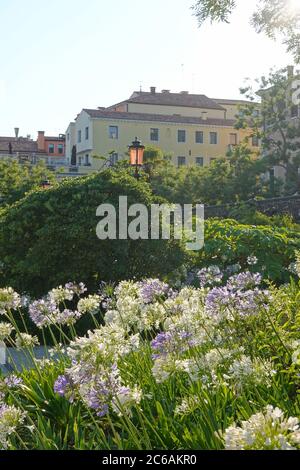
165, 91
204, 115
184, 92
17, 132
290, 71
153, 90
41, 140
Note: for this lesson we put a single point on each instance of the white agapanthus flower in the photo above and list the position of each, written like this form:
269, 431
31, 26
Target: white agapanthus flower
5, 330
245, 371
268, 430
90, 304
10, 418
9, 300
25, 340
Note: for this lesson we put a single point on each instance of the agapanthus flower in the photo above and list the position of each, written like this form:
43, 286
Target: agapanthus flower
152, 289
210, 276
170, 342
5, 330
25, 340
76, 288
67, 317
90, 304
60, 294
244, 372
187, 406
245, 280
63, 387
13, 381
9, 300
10, 418
252, 260
267, 430
43, 312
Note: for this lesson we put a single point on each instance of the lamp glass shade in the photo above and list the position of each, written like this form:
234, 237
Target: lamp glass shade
136, 155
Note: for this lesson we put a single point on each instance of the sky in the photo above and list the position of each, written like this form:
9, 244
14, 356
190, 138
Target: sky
60, 56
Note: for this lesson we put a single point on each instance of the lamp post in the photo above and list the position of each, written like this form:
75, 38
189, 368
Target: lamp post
136, 152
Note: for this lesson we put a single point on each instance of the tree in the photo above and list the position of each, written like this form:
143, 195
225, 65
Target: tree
275, 18
49, 237
279, 134
17, 179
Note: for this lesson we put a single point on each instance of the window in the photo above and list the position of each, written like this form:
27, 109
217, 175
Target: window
113, 132
199, 161
114, 157
87, 160
199, 137
294, 111
51, 148
86, 133
80, 161
154, 135
68, 136
213, 138
255, 141
181, 161
233, 139
79, 137
181, 136
60, 149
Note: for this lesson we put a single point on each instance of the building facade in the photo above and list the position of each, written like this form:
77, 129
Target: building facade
192, 129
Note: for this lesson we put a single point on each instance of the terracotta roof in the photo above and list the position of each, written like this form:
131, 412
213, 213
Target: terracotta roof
18, 145
174, 99
99, 114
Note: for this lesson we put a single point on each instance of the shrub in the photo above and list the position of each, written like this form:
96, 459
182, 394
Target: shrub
49, 237
228, 242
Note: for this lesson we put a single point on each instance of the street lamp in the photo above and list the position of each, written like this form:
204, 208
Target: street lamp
136, 152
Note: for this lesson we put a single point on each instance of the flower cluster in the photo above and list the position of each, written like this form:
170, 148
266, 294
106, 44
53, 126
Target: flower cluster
10, 419
210, 276
152, 289
9, 300
268, 430
52, 308
94, 376
5, 330
240, 295
26, 341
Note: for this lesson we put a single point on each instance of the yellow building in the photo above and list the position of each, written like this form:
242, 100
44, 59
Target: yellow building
194, 129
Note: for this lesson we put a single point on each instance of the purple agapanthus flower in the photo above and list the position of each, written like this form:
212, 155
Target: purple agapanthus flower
168, 342
62, 384
151, 289
42, 312
12, 381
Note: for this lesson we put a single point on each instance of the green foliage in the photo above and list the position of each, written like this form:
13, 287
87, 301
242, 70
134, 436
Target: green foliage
228, 242
17, 179
247, 214
278, 133
49, 237
225, 180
